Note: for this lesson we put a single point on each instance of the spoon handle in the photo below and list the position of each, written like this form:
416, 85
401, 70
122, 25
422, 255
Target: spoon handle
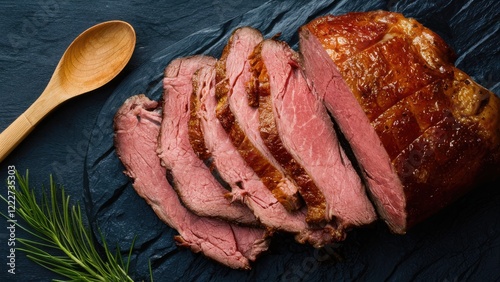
25, 123
14, 134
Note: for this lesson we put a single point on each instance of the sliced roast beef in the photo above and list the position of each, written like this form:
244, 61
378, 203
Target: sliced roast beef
241, 120
193, 181
137, 125
297, 129
422, 131
212, 143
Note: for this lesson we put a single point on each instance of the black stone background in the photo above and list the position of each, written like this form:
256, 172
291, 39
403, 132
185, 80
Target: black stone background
74, 143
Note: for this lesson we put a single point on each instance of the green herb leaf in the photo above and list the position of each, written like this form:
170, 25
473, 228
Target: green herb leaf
62, 243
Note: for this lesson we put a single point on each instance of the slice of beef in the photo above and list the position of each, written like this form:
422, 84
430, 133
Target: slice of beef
212, 143
193, 181
241, 120
137, 125
298, 131
258, 89
422, 131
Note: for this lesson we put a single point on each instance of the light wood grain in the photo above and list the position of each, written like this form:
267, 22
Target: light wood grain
94, 58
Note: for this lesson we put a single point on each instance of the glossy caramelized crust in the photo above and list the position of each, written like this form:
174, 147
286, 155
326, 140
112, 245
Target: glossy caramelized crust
440, 128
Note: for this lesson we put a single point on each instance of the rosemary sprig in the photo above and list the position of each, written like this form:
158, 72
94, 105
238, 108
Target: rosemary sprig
62, 243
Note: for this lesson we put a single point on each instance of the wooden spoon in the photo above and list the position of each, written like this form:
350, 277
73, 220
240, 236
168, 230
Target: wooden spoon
94, 58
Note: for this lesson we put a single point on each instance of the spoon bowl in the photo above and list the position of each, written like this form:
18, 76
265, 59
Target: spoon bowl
96, 56
93, 59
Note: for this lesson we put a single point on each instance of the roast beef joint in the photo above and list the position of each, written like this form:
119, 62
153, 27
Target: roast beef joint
250, 141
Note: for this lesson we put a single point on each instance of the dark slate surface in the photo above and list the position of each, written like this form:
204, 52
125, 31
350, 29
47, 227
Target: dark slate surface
74, 143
